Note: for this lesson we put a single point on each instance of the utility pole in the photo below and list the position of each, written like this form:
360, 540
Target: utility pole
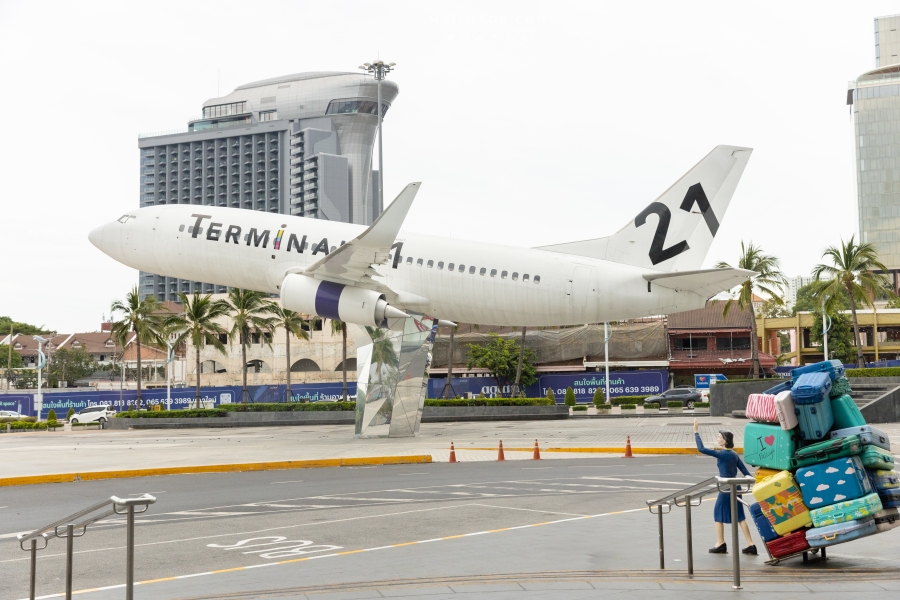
380, 71
40, 369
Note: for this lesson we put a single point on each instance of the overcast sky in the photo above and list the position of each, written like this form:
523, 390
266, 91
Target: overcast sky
528, 123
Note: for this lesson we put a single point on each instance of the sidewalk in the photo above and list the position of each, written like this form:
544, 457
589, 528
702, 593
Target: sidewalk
43, 453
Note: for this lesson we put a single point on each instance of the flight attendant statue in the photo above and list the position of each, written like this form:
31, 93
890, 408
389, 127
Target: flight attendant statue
729, 463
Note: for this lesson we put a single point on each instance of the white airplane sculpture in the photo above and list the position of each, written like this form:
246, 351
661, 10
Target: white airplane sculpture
371, 276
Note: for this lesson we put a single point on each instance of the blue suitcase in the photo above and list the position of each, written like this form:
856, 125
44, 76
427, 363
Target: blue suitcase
833, 481
840, 532
781, 387
868, 435
884, 480
811, 388
766, 531
834, 369
889, 498
812, 405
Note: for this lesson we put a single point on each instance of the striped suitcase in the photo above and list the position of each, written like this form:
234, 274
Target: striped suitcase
841, 532
868, 436
850, 510
761, 408
833, 482
781, 502
887, 519
874, 457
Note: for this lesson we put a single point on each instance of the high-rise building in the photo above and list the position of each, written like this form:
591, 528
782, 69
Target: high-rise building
875, 100
794, 284
300, 145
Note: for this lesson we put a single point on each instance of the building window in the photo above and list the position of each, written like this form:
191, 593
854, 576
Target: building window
733, 343
349, 107
690, 343
224, 110
268, 115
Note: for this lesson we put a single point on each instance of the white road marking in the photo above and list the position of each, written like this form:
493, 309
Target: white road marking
534, 468
413, 473
549, 512
640, 480
296, 481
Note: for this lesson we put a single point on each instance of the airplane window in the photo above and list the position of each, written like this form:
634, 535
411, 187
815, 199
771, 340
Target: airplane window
515, 276
493, 272
503, 275
525, 277
537, 278
462, 268
409, 260
450, 267
483, 271
430, 263
441, 265
390, 257
471, 270
419, 262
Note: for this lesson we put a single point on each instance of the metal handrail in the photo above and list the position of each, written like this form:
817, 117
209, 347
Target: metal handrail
75, 522
707, 486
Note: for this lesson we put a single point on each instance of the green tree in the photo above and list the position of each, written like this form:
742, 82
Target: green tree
850, 272
7, 324
292, 322
339, 326
501, 358
250, 310
806, 301
570, 397
197, 325
768, 279
773, 308
840, 338
70, 413
599, 398
6, 356
69, 364
51, 416
551, 395
141, 320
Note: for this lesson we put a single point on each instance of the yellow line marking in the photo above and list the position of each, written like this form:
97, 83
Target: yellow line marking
226, 468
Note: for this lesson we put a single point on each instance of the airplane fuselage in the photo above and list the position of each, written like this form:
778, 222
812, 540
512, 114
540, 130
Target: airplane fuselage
488, 284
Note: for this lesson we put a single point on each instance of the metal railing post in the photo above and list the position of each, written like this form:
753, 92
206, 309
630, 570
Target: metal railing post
70, 552
736, 556
662, 552
33, 567
690, 536
129, 559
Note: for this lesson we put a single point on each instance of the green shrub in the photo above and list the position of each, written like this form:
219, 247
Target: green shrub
570, 397
651, 406
193, 413
628, 406
627, 400
481, 395
27, 425
69, 414
12, 420
289, 406
580, 407
874, 372
674, 404
599, 399
551, 395
95, 423
492, 402
701, 404
51, 416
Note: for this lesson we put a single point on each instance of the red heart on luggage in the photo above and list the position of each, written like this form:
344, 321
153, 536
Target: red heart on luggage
769, 440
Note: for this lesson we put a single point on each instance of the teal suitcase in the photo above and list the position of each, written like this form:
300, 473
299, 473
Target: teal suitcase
768, 446
874, 457
846, 413
850, 510
825, 451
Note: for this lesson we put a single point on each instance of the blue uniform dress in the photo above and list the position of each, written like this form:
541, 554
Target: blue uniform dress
729, 463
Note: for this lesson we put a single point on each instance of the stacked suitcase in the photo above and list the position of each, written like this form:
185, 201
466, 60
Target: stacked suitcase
825, 476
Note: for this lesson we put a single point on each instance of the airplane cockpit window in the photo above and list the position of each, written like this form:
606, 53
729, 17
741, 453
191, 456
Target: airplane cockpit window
503, 275
515, 276
441, 265
419, 262
525, 277
430, 264
537, 278
126, 218
471, 270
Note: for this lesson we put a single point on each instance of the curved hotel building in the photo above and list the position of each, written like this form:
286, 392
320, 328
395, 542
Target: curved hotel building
299, 144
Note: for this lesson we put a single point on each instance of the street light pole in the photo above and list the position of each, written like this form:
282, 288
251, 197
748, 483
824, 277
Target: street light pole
380, 71
40, 370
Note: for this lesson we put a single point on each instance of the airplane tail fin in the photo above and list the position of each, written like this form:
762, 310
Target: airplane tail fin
675, 231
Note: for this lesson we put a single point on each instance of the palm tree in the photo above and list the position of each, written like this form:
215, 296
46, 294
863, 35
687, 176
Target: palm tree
850, 273
292, 322
338, 325
249, 310
198, 325
140, 317
768, 279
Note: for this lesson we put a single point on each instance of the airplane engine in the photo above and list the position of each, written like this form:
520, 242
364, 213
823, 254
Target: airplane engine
337, 301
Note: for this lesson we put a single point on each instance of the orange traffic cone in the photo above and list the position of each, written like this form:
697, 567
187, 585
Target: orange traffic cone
452, 453
500, 455
628, 453
537, 452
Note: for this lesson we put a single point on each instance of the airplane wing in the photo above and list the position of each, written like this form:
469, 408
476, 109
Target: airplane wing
352, 263
707, 282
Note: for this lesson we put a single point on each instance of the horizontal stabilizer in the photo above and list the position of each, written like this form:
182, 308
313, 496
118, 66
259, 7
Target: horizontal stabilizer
707, 282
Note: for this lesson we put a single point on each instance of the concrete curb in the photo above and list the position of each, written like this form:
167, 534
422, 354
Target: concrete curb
227, 468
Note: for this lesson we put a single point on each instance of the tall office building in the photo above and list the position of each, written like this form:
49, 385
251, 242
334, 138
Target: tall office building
300, 144
875, 100
794, 284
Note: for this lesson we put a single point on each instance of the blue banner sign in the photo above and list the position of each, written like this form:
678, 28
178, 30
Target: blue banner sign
181, 398
701, 382
585, 384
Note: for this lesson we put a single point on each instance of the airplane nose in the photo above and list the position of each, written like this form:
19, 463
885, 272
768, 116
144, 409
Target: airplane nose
96, 237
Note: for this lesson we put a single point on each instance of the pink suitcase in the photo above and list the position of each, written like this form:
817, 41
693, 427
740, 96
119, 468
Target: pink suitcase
761, 407
784, 407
